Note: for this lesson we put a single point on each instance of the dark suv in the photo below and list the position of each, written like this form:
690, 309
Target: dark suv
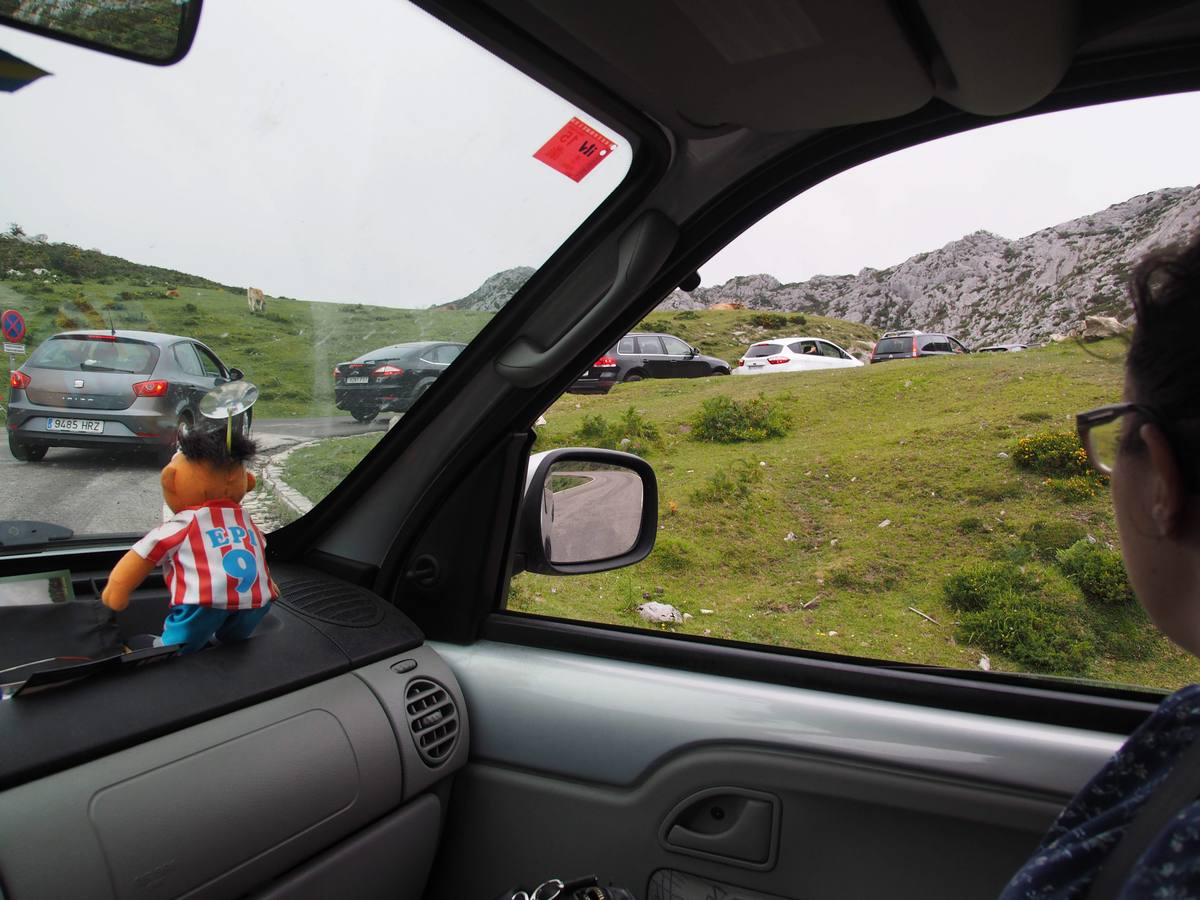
912, 344
639, 356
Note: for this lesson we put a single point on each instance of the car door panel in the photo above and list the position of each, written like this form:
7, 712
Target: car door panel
941, 803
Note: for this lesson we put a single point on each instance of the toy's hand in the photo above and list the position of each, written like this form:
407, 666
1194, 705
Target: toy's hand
124, 578
114, 598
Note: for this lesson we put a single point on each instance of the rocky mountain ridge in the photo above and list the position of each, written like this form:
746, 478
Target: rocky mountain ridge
983, 288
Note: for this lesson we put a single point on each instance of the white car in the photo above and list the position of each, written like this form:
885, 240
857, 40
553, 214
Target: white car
794, 354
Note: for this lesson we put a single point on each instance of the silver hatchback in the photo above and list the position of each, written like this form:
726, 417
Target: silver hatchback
110, 388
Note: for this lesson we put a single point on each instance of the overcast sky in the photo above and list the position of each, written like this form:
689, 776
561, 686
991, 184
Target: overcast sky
384, 159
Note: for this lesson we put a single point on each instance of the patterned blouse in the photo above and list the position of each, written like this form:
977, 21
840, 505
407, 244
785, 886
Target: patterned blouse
1077, 844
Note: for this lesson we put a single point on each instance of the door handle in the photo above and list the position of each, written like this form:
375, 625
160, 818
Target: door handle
729, 824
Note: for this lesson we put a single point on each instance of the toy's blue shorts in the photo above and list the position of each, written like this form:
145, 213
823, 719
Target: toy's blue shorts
193, 626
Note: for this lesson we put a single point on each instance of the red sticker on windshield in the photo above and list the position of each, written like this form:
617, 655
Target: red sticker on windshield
575, 150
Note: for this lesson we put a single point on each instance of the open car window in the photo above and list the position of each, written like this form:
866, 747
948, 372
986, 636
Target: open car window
338, 232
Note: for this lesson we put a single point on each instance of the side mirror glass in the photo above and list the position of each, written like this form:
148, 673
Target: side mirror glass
152, 31
236, 374
586, 511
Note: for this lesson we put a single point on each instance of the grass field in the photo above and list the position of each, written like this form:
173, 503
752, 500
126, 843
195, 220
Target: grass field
923, 446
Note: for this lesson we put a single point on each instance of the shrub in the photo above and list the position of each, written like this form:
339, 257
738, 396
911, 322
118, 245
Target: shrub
769, 320
799, 319
672, 554
127, 296
971, 525
1042, 634
687, 314
65, 323
994, 493
975, 587
729, 487
191, 307
1036, 416
1099, 572
724, 420
1045, 539
630, 433
1077, 487
1052, 453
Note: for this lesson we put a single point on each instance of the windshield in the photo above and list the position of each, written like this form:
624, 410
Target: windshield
259, 213
91, 352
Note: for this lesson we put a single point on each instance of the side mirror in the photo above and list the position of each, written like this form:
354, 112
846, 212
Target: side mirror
693, 352
585, 511
236, 374
159, 32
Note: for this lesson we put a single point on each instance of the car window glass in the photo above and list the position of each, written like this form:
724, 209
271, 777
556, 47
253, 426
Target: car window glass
626, 345
98, 353
829, 350
350, 207
926, 511
186, 357
675, 347
765, 350
650, 345
208, 362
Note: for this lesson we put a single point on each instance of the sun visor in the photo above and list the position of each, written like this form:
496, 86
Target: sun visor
1000, 58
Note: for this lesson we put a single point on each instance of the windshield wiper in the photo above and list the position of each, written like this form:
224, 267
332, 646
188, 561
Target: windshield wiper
27, 533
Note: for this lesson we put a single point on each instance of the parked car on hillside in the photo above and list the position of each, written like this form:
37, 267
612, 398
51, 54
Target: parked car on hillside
910, 344
1003, 348
794, 354
390, 379
110, 388
637, 356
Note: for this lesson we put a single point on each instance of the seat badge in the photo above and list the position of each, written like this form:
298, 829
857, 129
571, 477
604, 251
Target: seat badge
78, 382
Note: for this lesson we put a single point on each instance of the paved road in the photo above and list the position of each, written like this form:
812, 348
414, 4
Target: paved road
598, 519
99, 491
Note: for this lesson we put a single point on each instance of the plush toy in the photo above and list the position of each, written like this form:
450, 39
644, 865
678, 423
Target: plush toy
212, 553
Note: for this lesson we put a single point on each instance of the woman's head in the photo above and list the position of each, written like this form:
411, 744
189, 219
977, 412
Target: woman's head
1157, 475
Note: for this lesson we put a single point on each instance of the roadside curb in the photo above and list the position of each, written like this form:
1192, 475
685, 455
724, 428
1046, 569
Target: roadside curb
272, 476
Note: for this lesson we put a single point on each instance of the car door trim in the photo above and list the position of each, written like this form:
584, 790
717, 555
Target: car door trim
526, 711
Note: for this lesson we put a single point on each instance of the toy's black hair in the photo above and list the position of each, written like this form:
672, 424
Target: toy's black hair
209, 445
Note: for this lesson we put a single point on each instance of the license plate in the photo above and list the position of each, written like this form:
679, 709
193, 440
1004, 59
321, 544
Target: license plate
87, 426
357, 379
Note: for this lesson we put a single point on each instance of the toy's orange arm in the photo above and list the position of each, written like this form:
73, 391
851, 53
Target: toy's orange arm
124, 578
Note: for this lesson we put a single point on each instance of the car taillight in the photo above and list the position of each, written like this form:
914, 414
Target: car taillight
605, 362
387, 371
777, 360
914, 348
335, 368
150, 388
741, 362
873, 349
19, 380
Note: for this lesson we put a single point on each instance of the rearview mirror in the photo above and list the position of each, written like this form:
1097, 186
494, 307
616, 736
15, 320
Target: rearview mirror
151, 31
586, 511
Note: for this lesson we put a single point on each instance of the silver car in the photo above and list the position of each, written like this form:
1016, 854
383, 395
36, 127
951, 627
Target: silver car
110, 389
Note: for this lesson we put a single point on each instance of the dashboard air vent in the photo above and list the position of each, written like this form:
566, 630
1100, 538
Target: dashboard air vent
432, 719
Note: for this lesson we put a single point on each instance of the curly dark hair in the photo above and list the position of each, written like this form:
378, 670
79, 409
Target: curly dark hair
209, 445
1161, 364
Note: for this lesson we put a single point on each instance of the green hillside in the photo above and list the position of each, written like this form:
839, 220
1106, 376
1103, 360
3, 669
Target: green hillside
891, 479
289, 351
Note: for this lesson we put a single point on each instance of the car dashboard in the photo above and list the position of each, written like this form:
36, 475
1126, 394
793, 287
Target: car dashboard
319, 750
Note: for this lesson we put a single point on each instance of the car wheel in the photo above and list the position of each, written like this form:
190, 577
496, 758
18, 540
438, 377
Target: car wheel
364, 415
720, 371
633, 376
26, 452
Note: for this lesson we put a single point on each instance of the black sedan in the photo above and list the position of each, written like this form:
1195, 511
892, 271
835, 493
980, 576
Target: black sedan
110, 389
390, 379
639, 356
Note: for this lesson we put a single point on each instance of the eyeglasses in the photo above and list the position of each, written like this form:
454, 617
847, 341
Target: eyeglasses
1100, 432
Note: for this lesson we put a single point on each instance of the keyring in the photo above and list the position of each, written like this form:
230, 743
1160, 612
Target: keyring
554, 883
